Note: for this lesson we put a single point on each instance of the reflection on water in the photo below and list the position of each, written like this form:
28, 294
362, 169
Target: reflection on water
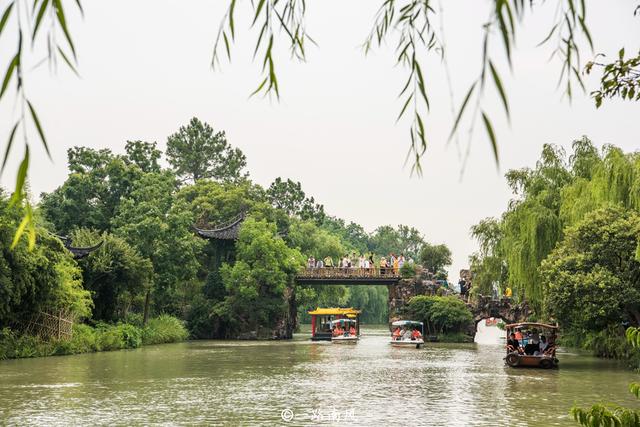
371, 383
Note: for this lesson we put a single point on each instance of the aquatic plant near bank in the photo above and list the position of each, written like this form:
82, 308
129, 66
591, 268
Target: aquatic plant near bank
87, 339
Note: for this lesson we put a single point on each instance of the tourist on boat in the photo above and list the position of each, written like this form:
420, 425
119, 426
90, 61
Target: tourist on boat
518, 334
542, 346
415, 334
406, 335
328, 262
396, 334
352, 331
337, 331
531, 346
512, 343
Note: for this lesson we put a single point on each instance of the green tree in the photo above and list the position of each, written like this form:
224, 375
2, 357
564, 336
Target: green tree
42, 279
289, 197
198, 152
116, 274
593, 276
91, 195
159, 225
441, 314
403, 240
258, 281
143, 154
488, 266
435, 257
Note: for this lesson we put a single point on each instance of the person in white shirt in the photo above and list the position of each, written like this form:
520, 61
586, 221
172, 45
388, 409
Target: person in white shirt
542, 346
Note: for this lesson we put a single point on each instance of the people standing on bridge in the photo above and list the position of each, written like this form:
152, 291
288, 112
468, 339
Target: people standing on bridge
372, 264
361, 264
319, 263
311, 262
383, 265
396, 264
328, 262
401, 261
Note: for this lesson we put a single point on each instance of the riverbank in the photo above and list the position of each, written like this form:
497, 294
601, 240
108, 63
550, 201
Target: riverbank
86, 339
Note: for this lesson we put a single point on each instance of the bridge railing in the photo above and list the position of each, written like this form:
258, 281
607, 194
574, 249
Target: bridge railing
348, 273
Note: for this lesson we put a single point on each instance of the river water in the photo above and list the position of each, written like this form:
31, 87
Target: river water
259, 383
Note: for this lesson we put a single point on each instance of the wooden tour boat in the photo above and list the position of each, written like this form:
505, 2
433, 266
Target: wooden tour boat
534, 345
321, 318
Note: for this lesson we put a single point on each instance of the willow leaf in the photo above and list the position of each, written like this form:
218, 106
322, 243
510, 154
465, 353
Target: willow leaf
21, 179
258, 10
69, 63
20, 231
461, 111
404, 107
498, 82
9, 73
41, 11
36, 121
492, 136
63, 24
9, 144
5, 16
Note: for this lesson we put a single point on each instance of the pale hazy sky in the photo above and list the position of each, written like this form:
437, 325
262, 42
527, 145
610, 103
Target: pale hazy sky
145, 71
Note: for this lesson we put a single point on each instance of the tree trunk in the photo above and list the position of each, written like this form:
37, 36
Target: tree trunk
147, 299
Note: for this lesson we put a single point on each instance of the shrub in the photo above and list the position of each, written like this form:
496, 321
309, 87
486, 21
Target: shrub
444, 313
103, 337
408, 270
164, 329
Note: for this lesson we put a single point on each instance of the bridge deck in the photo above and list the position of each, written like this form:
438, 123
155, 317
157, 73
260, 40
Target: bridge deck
348, 276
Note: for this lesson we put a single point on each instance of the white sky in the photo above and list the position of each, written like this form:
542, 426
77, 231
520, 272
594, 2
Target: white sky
145, 71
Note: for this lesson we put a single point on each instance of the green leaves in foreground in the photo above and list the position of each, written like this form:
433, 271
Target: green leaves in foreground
269, 17
609, 415
41, 10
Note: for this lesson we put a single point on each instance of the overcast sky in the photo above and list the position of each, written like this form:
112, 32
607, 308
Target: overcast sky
145, 71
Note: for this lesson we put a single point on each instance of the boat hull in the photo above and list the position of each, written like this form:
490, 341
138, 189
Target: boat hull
516, 360
407, 343
344, 340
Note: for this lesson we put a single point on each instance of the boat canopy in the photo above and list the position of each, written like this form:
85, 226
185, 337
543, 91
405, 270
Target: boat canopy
349, 312
341, 321
527, 325
406, 323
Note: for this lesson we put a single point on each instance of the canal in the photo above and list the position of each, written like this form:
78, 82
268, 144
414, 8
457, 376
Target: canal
247, 383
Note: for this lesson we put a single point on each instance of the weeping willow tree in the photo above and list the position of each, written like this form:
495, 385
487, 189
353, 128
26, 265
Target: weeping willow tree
557, 193
488, 264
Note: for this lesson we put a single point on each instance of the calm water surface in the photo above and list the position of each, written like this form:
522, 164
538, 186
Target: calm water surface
252, 383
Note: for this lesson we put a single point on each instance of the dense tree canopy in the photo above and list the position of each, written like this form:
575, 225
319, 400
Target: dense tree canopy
44, 279
593, 277
567, 243
151, 260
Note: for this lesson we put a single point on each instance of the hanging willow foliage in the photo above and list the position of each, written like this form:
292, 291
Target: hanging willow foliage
555, 195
